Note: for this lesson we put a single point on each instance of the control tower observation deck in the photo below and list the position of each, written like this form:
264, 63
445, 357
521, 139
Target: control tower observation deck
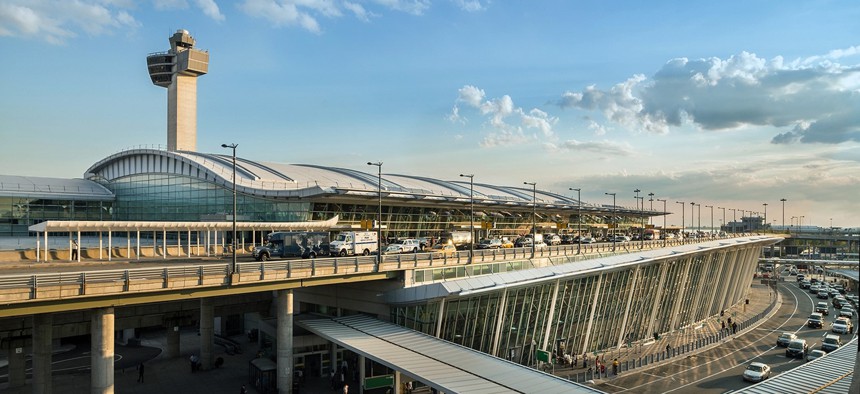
177, 70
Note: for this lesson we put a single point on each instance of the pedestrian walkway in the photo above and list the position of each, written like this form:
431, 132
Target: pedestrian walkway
693, 338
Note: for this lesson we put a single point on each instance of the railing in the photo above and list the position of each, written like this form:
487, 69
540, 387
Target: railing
41, 286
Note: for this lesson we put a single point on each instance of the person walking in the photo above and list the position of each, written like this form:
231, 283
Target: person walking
140, 373
734, 328
345, 389
615, 366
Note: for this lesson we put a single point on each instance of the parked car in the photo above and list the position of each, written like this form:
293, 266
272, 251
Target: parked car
494, 243
785, 338
756, 372
797, 348
443, 250
814, 321
830, 343
552, 239
587, 240
407, 245
815, 354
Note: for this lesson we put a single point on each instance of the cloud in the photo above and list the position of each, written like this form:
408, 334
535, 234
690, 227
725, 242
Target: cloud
281, 14
414, 7
814, 99
359, 11
472, 5
56, 22
508, 123
210, 9
306, 13
601, 147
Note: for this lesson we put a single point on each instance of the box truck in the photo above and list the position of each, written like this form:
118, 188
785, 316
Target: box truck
304, 244
349, 243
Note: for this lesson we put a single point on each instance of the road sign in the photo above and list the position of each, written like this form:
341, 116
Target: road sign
378, 381
542, 355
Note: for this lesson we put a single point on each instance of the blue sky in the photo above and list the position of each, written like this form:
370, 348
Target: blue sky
732, 104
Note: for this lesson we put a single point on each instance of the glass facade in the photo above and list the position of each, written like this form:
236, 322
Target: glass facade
588, 312
19, 213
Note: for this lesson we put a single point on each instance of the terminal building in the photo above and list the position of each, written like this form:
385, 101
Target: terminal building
564, 303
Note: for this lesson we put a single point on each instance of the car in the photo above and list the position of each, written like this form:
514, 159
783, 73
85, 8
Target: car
847, 322
830, 343
494, 243
805, 284
756, 372
407, 245
587, 240
785, 338
813, 289
839, 327
797, 348
443, 250
814, 321
815, 354
506, 243
800, 277
823, 294
839, 301
540, 245
523, 242
846, 311
552, 239
822, 308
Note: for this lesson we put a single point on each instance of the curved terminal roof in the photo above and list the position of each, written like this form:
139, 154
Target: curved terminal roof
305, 180
53, 188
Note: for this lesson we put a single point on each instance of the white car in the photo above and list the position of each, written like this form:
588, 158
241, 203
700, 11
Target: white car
756, 372
408, 245
839, 327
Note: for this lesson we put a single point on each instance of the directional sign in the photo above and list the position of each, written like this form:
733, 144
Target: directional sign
542, 355
378, 381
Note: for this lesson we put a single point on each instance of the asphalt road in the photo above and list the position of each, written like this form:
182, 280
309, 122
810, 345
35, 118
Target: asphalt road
720, 369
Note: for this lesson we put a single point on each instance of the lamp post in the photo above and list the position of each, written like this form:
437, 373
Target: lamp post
233, 146
664, 221
783, 212
637, 206
734, 218
765, 215
471, 214
699, 220
534, 214
800, 225
613, 219
724, 217
683, 207
378, 164
651, 199
642, 223
578, 217
692, 218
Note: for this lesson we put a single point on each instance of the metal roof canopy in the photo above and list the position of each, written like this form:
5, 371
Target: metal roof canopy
443, 365
832, 373
97, 225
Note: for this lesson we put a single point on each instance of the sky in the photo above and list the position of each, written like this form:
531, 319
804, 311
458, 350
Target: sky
731, 104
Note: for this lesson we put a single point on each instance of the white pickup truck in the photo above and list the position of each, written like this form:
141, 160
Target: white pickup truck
408, 245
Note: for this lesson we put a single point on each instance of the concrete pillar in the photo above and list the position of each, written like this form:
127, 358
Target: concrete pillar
285, 341
398, 385
15, 350
43, 333
361, 373
332, 356
172, 339
101, 359
207, 333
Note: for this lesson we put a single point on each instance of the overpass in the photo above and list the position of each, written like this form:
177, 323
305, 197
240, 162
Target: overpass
593, 293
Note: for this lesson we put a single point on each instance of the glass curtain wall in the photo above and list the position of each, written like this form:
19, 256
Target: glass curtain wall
589, 313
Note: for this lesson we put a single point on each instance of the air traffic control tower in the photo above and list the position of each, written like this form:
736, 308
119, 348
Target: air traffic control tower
177, 70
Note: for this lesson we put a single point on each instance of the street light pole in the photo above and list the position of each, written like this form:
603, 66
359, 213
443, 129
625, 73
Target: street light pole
233, 146
471, 214
578, 218
765, 216
783, 212
664, 221
651, 199
683, 207
534, 215
378, 164
614, 225
641, 223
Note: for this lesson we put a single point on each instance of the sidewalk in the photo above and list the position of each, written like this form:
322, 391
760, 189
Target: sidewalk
681, 342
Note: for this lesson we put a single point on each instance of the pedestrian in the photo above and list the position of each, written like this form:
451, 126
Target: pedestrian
345, 389
194, 360
734, 328
584, 360
668, 350
723, 324
615, 366
332, 380
74, 249
140, 373
243, 390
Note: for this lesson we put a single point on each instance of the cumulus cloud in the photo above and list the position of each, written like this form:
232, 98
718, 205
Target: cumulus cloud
814, 99
56, 22
508, 123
